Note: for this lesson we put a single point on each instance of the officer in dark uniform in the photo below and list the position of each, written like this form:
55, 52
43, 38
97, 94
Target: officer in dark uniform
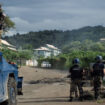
98, 74
76, 74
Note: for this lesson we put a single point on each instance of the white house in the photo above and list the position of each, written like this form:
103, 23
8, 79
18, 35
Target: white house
42, 51
5, 44
47, 51
54, 50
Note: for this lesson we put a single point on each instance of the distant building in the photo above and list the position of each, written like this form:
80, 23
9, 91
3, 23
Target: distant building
54, 50
102, 39
5, 44
42, 52
47, 51
31, 62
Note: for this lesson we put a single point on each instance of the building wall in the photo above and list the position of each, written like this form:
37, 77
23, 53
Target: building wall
42, 53
57, 52
45, 53
31, 63
54, 52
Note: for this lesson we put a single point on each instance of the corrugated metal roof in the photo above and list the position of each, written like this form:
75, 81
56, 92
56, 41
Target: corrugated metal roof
12, 48
6, 43
42, 49
52, 47
9, 46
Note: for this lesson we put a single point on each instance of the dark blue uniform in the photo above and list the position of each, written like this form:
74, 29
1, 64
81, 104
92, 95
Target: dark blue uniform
76, 78
76, 72
98, 73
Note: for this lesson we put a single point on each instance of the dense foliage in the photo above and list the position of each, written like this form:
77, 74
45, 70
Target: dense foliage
66, 40
64, 61
14, 56
8, 24
86, 45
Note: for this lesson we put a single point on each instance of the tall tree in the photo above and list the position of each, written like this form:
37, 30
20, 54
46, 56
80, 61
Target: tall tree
5, 22
8, 24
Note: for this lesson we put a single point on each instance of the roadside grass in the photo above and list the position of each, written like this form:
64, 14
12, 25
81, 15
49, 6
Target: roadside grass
100, 101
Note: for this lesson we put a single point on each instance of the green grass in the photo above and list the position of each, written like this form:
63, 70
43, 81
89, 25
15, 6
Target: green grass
100, 101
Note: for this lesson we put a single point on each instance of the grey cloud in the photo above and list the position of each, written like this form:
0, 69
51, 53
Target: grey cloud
55, 14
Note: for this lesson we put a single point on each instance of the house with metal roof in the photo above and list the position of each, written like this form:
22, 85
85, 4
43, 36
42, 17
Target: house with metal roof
54, 50
5, 44
47, 51
42, 52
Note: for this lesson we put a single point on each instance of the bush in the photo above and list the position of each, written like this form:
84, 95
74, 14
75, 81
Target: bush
13, 56
64, 61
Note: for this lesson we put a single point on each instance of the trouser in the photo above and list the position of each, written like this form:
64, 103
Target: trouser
97, 81
73, 87
1, 26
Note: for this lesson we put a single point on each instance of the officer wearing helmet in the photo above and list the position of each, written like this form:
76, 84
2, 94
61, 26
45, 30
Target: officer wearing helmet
76, 74
98, 74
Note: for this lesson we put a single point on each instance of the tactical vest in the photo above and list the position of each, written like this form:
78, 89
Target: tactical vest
76, 73
98, 69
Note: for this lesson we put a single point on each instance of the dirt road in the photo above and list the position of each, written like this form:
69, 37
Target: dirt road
47, 87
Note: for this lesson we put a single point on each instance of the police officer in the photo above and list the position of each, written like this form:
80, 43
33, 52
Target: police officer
98, 74
76, 73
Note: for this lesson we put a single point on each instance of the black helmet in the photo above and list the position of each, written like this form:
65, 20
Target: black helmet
76, 61
98, 58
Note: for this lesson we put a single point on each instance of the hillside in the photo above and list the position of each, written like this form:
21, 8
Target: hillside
56, 37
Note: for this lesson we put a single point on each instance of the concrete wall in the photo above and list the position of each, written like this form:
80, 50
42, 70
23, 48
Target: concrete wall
31, 63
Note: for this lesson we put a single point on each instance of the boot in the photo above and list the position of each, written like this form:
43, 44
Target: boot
71, 99
81, 98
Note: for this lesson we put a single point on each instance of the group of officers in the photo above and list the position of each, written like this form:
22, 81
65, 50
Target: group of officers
76, 75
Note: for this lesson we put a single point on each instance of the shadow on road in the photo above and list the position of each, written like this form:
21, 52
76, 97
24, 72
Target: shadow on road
47, 99
50, 99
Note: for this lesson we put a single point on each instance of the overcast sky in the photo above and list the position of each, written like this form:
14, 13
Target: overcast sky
35, 15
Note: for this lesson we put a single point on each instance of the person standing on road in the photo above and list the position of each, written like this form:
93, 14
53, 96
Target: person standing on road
76, 74
98, 74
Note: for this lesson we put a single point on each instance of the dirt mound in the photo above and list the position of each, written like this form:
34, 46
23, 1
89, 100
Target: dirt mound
49, 81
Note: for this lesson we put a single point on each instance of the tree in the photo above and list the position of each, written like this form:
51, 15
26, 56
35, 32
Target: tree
5, 22
75, 45
8, 24
86, 45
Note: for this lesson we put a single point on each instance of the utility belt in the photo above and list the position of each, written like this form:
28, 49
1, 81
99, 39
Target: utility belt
73, 79
98, 77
